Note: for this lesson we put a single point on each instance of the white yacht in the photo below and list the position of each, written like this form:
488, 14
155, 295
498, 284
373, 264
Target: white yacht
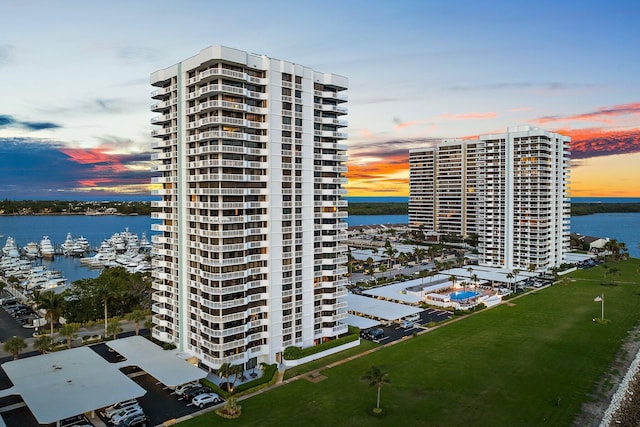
31, 250
10, 249
46, 248
67, 246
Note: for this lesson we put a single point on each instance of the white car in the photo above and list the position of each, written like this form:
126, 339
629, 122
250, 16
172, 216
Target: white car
124, 414
118, 407
206, 398
182, 388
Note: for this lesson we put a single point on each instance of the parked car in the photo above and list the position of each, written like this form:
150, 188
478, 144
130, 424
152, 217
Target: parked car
195, 391
119, 417
205, 399
179, 390
413, 318
137, 420
407, 324
373, 334
118, 407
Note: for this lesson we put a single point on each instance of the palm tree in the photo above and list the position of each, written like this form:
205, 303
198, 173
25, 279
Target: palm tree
53, 303
149, 325
475, 280
137, 316
236, 371
69, 330
114, 328
15, 345
224, 371
515, 272
453, 278
389, 251
376, 377
510, 276
43, 343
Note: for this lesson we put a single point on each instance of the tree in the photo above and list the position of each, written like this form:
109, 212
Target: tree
114, 328
389, 251
509, 277
137, 316
43, 343
237, 371
475, 280
149, 325
15, 345
453, 278
224, 371
69, 331
376, 377
53, 303
13, 281
515, 272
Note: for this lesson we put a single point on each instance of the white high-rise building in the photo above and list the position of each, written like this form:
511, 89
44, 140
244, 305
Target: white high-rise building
510, 189
526, 209
443, 183
251, 256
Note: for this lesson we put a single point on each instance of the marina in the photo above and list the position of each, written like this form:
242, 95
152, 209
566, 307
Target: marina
29, 269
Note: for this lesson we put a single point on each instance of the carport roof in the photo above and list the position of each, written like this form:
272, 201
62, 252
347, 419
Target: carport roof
66, 383
361, 322
164, 365
380, 309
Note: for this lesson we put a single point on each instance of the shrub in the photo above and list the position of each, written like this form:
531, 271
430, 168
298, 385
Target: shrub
320, 347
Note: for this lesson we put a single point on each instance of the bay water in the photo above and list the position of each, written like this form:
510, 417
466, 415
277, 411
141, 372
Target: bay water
624, 227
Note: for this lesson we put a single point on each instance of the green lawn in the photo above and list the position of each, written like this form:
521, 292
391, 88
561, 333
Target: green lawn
532, 362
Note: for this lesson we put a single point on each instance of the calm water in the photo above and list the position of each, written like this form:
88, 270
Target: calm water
625, 227
25, 229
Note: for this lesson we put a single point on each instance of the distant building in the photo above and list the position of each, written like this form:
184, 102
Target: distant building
511, 189
251, 257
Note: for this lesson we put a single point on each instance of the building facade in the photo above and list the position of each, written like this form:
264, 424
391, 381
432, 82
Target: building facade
250, 258
511, 189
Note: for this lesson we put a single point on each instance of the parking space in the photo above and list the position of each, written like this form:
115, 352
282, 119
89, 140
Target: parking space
397, 330
10, 327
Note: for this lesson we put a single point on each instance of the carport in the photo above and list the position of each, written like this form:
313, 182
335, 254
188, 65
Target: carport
164, 365
63, 384
361, 322
385, 310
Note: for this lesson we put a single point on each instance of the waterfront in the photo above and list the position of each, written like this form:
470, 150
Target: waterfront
25, 229
625, 227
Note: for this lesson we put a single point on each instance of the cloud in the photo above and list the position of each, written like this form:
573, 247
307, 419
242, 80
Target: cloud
602, 114
550, 86
597, 142
92, 106
39, 167
9, 121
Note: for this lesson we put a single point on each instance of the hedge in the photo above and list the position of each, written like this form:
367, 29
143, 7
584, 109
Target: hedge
295, 353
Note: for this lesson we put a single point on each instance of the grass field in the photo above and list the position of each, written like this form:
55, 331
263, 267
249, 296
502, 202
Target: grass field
530, 362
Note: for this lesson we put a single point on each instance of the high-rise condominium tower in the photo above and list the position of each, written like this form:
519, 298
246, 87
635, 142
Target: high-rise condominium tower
251, 257
510, 189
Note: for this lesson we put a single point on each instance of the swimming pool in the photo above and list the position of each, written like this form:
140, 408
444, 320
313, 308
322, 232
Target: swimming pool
460, 295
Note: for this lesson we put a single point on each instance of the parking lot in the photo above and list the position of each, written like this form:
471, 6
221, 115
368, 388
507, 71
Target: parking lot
395, 331
159, 404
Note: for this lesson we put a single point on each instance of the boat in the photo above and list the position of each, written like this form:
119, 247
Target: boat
10, 248
31, 250
46, 248
74, 247
67, 246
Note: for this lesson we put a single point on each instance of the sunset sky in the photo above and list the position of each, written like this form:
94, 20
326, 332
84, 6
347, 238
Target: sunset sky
74, 82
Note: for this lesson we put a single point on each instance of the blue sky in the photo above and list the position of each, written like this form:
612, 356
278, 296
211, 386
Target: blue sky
74, 103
